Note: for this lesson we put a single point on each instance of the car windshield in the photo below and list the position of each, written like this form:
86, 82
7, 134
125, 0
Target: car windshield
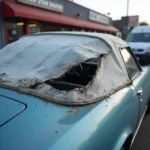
139, 37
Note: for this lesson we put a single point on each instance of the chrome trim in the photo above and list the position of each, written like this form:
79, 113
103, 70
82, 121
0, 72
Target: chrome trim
140, 91
140, 122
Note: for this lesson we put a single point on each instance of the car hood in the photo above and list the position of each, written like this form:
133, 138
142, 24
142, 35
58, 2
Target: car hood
139, 45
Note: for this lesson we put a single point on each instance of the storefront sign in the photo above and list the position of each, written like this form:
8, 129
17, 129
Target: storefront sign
93, 16
46, 4
133, 21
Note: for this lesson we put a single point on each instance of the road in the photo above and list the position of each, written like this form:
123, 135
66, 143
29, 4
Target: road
142, 140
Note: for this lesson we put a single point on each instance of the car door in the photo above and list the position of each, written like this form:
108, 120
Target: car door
141, 84
139, 79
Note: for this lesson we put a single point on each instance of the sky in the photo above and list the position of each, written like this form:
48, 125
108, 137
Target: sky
118, 8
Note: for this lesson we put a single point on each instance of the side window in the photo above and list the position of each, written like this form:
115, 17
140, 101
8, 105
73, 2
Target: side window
130, 63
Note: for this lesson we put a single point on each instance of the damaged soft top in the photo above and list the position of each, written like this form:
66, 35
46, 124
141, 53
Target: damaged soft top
68, 68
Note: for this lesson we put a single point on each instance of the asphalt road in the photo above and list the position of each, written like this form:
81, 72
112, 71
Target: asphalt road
142, 140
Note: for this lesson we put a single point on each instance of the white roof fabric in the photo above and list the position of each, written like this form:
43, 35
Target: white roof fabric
35, 59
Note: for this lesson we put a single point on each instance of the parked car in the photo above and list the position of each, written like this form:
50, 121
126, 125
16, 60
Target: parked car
139, 41
71, 91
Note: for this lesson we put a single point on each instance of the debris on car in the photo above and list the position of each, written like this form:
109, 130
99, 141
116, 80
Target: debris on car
77, 76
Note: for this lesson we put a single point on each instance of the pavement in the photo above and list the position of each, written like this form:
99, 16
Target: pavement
142, 140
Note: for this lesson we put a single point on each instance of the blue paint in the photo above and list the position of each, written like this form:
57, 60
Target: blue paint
48, 126
10, 108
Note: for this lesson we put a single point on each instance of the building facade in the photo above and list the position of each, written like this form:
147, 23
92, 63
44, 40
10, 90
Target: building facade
126, 24
2, 42
20, 17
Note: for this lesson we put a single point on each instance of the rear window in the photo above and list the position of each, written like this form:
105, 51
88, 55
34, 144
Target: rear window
139, 37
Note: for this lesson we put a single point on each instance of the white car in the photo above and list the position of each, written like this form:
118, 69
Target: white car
139, 41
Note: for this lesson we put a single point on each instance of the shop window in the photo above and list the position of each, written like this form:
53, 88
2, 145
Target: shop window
15, 30
64, 29
33, 28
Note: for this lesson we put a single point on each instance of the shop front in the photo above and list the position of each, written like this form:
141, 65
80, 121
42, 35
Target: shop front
31, 16
2, 43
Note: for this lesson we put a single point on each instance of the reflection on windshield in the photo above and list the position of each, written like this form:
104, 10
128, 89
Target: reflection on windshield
139, 37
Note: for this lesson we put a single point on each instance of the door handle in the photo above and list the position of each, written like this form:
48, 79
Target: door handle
140, 91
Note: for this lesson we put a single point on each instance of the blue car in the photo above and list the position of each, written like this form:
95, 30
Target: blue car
71, 91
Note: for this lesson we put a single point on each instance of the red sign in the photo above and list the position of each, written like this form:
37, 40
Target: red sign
133, 21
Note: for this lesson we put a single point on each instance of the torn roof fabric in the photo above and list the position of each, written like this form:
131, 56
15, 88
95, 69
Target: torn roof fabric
34, 59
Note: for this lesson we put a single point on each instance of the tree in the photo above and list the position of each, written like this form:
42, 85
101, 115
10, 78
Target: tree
143, 23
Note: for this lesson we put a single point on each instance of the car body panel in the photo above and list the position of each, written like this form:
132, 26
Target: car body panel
100, 138
57, 127
11, 109
143, 81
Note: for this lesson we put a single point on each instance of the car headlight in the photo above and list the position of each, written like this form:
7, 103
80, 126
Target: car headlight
148, 49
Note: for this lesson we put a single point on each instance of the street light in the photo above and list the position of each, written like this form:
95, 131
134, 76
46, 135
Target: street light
127, 19
127, 11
